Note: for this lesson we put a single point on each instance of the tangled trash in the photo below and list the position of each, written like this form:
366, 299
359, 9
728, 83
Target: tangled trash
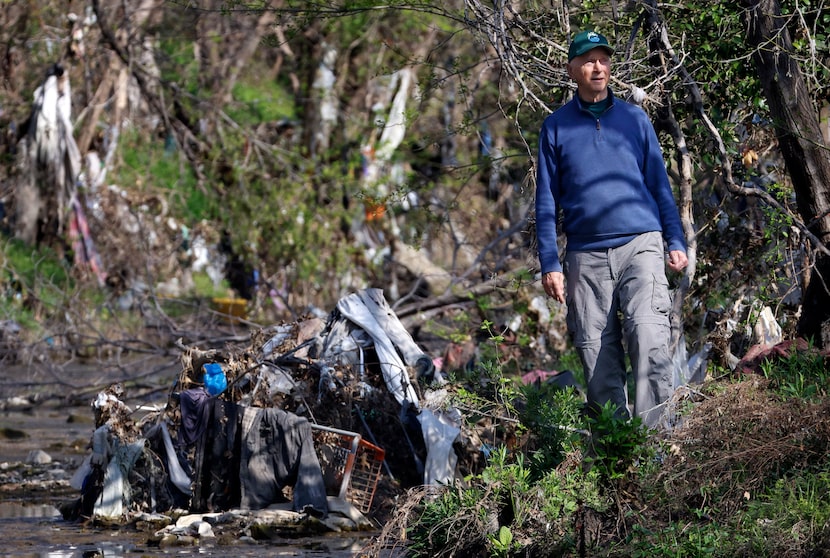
291, 428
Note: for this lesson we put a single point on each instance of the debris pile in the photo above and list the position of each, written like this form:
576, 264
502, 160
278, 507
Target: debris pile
301, 419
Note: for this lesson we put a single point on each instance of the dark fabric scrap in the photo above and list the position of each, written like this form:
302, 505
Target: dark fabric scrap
278, 451
195, 414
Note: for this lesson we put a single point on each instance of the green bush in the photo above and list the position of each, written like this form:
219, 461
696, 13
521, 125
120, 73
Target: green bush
553, 416
616, 444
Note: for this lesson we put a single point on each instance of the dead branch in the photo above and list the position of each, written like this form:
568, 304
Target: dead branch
187, 140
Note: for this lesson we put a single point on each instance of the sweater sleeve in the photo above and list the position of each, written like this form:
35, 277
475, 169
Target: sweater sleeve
657, 181
546, 182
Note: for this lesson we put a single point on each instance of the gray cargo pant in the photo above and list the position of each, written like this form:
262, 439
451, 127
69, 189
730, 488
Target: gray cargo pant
615, 296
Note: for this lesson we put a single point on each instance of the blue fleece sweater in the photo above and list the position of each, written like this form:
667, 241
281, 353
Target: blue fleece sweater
607, 177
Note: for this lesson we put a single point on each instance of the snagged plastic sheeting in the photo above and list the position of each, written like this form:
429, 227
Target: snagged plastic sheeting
767, 331
396, 349
439, 436
79, 478
174, 469
116, 493
394, 129
369, 310
54, 160
440, 427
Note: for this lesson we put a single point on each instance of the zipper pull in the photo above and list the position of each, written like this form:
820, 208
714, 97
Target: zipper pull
597, 123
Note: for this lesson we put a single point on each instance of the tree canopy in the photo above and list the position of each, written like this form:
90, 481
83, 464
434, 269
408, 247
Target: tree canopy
329, 146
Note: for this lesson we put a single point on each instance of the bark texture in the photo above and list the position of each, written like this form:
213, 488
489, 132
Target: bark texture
802, 145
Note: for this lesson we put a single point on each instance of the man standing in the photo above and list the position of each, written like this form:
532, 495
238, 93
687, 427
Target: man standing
601, 166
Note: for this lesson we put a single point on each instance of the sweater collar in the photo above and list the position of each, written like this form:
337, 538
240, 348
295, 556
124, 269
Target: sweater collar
581, 104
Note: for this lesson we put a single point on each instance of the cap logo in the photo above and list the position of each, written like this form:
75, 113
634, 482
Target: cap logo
593, 37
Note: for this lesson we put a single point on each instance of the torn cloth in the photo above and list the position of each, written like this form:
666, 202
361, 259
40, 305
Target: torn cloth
82, 244
195, 414
278, 451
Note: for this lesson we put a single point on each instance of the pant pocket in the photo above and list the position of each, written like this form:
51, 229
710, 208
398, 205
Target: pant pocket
661, 299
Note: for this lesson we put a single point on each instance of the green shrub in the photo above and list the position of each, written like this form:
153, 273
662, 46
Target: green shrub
452, 519
553, 417
616, 444
34, 281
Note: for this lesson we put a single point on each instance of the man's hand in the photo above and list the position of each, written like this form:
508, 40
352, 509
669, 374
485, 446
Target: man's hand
554, 285
678, 260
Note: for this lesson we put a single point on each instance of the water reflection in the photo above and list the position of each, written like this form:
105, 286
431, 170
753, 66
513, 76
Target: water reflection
19, 509
119, 550
98, 552
124, 551
38, 531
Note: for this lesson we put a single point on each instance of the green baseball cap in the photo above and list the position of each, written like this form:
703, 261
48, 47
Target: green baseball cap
585, 41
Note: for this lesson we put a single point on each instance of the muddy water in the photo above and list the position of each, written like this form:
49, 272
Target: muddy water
60, 423
39, 532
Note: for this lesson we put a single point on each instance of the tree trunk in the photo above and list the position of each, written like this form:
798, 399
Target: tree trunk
802, 146
662, 55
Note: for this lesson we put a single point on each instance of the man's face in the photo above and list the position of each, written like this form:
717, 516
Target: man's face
591, 72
